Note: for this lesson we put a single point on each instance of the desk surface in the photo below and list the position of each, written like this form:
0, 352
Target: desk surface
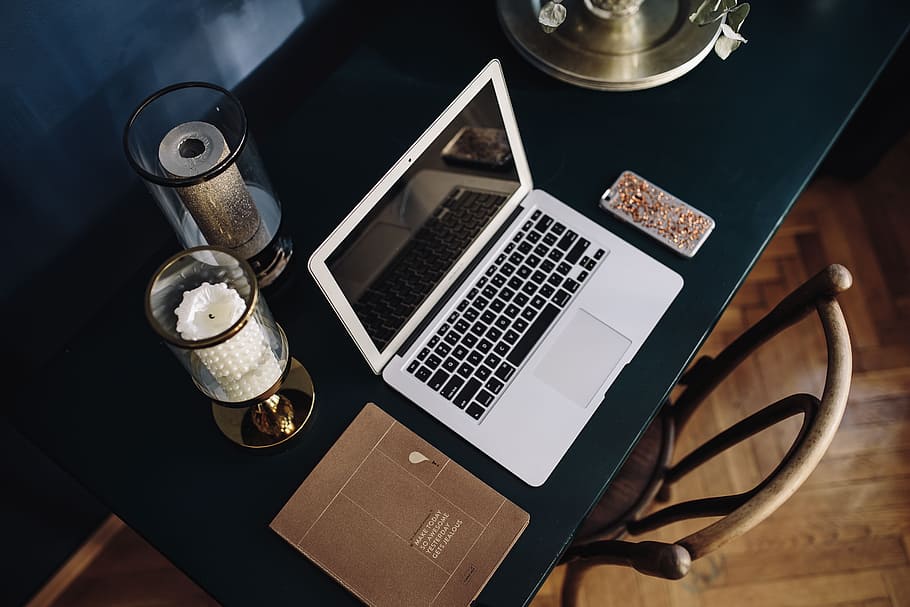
737, 139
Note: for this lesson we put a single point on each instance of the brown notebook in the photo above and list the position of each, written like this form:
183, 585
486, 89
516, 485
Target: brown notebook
396, 522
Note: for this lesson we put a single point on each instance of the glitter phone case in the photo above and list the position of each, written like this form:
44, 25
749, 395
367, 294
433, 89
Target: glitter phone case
657, 213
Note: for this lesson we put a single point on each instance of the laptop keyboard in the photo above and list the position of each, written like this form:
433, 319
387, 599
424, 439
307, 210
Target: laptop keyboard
392, 298
475, 353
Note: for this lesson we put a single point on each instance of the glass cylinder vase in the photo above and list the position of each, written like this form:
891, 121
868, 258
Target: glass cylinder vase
206, 304
190, 143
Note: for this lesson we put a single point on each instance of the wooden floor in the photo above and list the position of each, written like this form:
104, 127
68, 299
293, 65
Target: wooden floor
843, 540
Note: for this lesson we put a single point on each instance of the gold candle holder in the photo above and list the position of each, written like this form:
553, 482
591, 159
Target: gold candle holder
206, 304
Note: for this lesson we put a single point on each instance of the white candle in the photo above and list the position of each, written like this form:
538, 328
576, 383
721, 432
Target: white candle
244, 365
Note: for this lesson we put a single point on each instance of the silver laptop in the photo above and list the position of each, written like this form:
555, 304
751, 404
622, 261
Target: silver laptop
495, 307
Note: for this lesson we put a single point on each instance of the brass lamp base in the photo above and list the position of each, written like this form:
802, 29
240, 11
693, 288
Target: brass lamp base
272, 421
651, 47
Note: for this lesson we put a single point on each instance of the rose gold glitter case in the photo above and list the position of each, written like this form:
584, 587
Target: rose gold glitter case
659, 214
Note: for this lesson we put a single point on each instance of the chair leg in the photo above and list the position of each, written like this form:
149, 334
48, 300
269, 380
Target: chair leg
571, 584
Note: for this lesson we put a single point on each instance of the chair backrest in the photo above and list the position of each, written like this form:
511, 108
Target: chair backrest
742, 512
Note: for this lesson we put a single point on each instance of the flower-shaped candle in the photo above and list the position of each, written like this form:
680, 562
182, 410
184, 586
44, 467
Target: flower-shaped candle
244, 365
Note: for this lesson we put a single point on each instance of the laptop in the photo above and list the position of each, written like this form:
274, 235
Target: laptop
499, 310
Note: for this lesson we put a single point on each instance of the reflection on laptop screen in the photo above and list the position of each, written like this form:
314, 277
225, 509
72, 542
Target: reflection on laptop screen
402, 249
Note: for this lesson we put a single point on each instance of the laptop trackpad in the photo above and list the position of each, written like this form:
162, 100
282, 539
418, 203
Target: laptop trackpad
578, 362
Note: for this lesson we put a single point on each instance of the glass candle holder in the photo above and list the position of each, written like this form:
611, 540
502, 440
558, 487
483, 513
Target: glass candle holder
190, 143
206, 304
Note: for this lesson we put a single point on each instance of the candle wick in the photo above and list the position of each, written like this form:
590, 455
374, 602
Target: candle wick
212, 316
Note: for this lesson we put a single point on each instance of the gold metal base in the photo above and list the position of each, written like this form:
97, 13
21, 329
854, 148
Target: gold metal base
273, 421
655, 45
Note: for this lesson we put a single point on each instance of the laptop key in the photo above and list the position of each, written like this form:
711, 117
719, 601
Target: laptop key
504, 372
423, 354
467, 393
512, 310
538, 276
452, 338
471, 313
508, 269
423, 374
528, 314
530, 288
567, 240
469, 340
545, 222
582, 276
460, 352
489, 292
494, 334
541, 250
462, 305
484, 398
520, 325
570, 285
532, 260
558, 228
546, 290
536, 214
521, 299
433, 361
533, 237
498, 280
465, 370
502, 322
561, 297
564, 268
484, 345
439, 378
475, 358
547, 266
488, 317
450, 364
413, 366
506, 294
525, 247
555, 280
442, 349
533, 334
462, 325
524, 271
482, 372
493, 361
501, 349
433, 341
510, 337
497, 305
599, 254
555, 255
550, 238
538, 301
451, 388
475, 411
494, 385
576, 252
590, 265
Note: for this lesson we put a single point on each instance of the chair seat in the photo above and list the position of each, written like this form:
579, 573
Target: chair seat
633, 488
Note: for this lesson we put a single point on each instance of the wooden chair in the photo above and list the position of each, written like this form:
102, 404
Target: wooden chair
648, 472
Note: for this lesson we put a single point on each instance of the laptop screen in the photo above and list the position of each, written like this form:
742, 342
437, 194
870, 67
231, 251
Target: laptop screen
401, 250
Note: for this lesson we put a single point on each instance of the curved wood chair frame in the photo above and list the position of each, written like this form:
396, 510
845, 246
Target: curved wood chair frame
743, 511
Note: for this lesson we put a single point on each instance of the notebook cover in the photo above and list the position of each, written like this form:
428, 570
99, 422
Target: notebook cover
396, 522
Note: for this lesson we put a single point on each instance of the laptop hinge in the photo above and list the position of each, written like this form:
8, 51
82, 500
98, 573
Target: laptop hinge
447, 298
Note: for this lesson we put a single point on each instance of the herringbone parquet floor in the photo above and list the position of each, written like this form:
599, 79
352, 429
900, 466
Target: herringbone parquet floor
843, 540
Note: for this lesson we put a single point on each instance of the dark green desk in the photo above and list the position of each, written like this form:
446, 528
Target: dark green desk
738, 139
